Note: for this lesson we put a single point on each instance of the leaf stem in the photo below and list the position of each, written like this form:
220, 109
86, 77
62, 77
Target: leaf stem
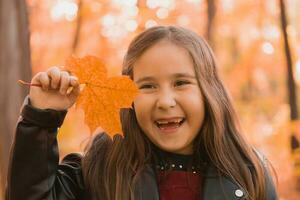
29, 84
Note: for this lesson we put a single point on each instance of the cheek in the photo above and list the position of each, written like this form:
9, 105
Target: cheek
193, 101
142, 109
194, 107
138, 104
143, 102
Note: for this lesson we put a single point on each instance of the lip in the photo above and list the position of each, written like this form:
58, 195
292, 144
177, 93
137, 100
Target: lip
169, 130
168, 118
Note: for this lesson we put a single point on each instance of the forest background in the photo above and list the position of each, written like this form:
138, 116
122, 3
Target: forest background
257, 45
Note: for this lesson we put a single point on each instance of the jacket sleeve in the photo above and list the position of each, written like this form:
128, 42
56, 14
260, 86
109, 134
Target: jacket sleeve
270, 190
34, 170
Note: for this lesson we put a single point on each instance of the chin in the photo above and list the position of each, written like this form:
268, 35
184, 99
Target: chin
173, 149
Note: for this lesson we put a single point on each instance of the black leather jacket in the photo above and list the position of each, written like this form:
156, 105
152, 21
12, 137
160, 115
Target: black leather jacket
35, 172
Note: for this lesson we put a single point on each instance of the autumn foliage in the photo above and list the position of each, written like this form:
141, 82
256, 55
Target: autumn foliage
246, 38
102, 96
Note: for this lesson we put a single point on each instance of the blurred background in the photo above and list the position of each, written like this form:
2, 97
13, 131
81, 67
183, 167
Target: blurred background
256, 42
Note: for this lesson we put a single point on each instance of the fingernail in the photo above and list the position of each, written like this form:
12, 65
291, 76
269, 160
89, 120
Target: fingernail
69, 90
81, 87
74, 81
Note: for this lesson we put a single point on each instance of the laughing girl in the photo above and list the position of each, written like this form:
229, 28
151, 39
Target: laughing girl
182, 139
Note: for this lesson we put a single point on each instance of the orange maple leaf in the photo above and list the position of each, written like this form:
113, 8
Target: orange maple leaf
102, 97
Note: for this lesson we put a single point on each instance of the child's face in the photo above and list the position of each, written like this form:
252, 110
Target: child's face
170, 107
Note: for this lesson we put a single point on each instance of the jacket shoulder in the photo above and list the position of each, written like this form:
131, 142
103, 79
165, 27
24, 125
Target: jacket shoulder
271, 193
69, 182
214, 183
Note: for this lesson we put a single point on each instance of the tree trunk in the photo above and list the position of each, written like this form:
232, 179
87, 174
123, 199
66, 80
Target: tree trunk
77, 29
14, 65
141, 25
211, 12
290, 78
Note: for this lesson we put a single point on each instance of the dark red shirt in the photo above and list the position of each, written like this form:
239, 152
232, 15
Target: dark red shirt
179, 185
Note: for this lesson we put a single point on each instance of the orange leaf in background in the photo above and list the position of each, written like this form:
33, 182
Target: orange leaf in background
102, 97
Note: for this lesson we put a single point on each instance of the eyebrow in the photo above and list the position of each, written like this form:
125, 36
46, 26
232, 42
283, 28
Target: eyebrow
176, 75
183, 75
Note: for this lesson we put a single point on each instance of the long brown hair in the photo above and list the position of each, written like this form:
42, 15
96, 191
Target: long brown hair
112, 166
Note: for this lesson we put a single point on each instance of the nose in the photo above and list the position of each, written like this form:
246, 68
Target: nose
166, 100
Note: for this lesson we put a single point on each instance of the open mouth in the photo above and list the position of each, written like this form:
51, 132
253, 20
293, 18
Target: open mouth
172, 124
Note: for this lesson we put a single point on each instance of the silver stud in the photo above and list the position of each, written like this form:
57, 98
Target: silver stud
162, 168
194, 172
173, 165
180, 166
239, 193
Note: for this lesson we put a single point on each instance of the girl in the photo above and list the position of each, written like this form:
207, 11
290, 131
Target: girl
181, 139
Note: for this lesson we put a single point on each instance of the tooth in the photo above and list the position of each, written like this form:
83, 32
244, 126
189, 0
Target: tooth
162, 122
166, 122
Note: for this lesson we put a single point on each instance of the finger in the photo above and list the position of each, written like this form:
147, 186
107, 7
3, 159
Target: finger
74, 84
75, 90
74, 81
44, 80
64, 69
40, 79
64, 82
54, 74
35, 78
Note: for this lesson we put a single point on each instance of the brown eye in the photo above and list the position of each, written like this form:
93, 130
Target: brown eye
181, 83
147, 86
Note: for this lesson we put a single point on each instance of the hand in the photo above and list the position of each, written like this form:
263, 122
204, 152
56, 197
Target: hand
53, 93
